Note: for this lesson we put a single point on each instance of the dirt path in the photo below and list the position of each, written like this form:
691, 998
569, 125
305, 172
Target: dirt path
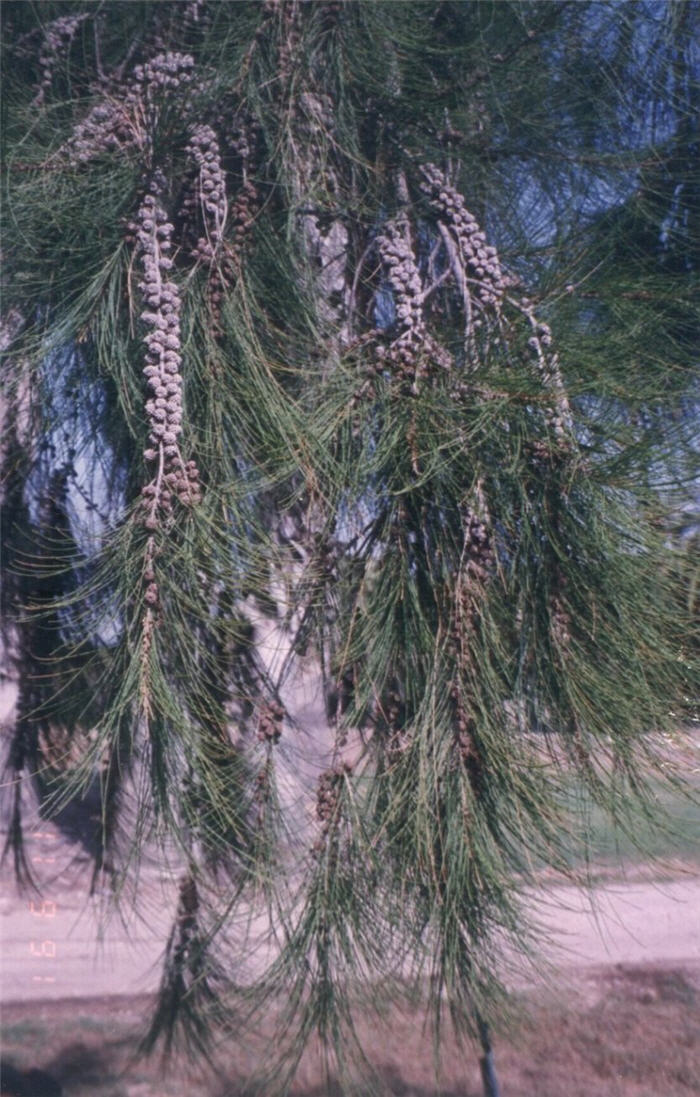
56, 946
625, 923
621, 1018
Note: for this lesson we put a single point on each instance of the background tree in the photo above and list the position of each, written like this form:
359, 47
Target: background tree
353, 336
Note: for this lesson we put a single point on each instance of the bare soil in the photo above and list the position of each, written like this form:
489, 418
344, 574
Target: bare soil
620, 1017
618, 1031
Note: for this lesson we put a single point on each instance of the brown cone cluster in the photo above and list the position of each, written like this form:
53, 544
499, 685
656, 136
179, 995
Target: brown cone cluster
289, 14
328, 792
243, 214
169, 70
478, 557
327, 795
270, 720
174, 477
205, 206
481, 266
262, 795
539, 345
479, 259
210, 189
58, 36
476, 566
106, 128
414, 353
116, 122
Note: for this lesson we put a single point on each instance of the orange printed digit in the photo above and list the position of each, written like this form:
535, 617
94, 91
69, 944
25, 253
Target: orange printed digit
46, 910
46, 949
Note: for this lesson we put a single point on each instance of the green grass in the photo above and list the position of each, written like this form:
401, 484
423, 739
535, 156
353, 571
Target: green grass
667, 831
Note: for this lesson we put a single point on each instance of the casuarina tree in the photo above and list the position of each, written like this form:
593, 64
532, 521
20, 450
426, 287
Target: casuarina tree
348, 343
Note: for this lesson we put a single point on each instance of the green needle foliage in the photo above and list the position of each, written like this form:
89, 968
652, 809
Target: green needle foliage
348, 343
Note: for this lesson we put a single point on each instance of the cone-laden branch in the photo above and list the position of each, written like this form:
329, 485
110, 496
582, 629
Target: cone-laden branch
334, 445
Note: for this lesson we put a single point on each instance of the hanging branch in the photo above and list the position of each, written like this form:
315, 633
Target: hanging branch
349, 528
58, 38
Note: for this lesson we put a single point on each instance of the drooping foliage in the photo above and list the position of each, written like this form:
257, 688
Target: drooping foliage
353, 341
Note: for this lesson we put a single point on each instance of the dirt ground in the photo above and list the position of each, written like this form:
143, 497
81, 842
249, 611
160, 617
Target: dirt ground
620, 1017
617, 1031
